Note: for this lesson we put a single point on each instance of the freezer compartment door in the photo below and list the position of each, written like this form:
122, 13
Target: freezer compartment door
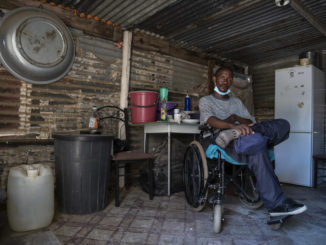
293, 97
293, 160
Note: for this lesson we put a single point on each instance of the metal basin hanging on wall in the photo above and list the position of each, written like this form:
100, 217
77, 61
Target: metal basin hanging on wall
35, 45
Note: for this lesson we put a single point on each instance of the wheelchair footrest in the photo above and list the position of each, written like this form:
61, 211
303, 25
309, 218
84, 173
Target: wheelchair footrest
215, 199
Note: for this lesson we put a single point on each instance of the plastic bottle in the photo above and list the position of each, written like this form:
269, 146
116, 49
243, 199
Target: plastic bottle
187, 103
164, 115
30, 203
93, 123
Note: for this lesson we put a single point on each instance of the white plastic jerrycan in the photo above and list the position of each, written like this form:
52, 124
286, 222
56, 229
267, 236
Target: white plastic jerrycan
30, 202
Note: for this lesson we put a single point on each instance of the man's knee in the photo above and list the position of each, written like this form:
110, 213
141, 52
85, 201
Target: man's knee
251, 144
277, 130
282, 124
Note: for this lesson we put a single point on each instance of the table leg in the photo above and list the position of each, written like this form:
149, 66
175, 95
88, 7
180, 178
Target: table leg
145, 135
169, 162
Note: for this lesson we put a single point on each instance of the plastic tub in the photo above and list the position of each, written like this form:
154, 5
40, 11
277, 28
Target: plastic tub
143, 106
30, 202
82, 165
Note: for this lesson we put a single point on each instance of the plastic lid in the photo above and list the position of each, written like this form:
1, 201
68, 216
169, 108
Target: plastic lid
32, 172
176, 111
82, 137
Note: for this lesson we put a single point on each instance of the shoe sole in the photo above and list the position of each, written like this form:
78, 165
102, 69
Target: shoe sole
297, 211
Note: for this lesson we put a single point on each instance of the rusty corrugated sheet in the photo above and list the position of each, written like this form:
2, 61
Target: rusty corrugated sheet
246, 31
10, 88
67, 104
152, 71
125, 13
242, 31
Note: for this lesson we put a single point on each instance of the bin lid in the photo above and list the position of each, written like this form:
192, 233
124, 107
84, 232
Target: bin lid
82, 137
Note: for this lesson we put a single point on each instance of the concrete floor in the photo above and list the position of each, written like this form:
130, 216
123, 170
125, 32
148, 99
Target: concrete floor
169, 220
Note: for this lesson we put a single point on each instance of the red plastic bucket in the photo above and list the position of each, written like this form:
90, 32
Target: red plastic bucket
143, 106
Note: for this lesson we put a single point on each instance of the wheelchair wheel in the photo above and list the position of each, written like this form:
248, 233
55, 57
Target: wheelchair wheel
248, 183
217, 226
195, 174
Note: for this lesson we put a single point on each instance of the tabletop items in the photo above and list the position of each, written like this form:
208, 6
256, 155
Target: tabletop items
167, 110
147, 106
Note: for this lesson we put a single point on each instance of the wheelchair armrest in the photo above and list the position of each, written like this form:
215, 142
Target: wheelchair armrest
205, 127
206, 130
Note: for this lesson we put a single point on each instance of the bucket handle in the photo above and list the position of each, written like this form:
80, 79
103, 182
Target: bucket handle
144, 106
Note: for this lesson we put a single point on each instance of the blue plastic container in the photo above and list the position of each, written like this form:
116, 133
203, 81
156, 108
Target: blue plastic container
187, 103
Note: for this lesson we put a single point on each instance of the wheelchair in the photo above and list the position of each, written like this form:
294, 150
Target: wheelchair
205, 179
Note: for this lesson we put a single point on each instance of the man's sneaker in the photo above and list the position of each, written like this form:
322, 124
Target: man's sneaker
288, 207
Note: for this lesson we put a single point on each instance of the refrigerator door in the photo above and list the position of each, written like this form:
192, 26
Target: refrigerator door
293, 159
293, 97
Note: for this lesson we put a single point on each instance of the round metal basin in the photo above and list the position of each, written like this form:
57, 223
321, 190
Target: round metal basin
35, 46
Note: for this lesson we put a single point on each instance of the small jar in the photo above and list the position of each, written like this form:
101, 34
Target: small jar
176, 111
177, 115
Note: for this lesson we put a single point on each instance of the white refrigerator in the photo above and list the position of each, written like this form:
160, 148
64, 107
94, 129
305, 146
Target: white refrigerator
299, 98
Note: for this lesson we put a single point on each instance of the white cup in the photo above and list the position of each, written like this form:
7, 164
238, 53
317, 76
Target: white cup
177, 118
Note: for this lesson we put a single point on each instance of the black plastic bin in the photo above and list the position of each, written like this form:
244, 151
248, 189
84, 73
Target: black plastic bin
82, 169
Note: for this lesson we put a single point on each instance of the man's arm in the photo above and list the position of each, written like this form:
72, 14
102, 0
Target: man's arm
242, 128
235, 118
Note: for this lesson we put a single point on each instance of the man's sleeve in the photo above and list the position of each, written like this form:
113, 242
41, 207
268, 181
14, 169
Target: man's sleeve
205, 110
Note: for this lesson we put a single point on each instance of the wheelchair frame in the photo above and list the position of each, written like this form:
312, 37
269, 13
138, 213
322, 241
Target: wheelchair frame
200, 177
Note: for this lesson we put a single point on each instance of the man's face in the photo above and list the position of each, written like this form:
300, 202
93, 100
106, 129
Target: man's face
223, 80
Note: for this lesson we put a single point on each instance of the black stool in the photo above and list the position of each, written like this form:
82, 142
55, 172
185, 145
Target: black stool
121, 159
318, 158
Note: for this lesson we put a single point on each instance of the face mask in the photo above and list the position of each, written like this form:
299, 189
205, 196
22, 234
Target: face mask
220, 92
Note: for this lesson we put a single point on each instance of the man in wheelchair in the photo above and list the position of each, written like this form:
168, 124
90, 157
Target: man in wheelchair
247, 141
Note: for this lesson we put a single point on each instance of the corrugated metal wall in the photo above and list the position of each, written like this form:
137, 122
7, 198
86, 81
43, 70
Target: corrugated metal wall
263, 76
10, 91
94, 79
40, 110
64, 105
152, 71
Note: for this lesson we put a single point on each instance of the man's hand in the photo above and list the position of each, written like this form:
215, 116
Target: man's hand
243, 129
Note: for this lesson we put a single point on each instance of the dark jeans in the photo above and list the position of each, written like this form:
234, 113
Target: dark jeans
259, 163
